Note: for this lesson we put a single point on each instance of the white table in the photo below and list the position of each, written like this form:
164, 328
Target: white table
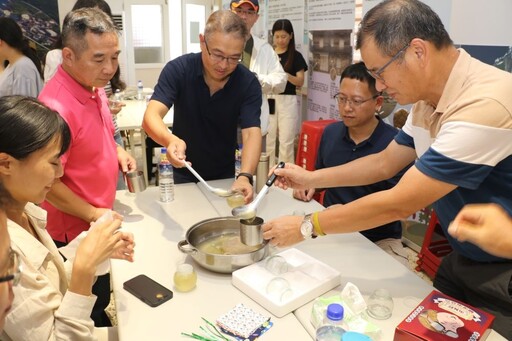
159, 227
130, 119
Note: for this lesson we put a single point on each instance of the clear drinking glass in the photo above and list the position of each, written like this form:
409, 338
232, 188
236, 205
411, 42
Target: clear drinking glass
380, 304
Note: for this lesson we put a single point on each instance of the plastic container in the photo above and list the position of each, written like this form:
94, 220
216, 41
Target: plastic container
185, 278
140, 89
333, 326
353, 336
165, 178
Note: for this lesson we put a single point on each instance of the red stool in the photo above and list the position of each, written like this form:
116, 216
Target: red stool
309, 140
435, 246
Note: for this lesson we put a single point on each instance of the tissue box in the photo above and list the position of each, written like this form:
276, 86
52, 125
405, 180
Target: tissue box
440, 317
308, 278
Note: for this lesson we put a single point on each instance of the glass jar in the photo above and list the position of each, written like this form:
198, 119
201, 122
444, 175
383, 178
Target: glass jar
185, 278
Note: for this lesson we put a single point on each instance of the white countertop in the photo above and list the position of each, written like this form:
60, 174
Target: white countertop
159, 227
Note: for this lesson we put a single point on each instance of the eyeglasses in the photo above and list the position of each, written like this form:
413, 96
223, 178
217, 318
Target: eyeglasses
14, 271
240, 11
217, 58
377, 74
354, 103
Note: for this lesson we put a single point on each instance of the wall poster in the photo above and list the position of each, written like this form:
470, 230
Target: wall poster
331, 25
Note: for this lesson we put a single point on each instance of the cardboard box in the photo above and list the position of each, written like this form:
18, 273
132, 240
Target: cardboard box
440, 317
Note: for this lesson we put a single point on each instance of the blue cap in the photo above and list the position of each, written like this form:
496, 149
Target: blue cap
335, 312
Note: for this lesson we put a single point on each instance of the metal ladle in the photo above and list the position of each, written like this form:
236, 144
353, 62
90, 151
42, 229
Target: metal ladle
249, 211
215, 190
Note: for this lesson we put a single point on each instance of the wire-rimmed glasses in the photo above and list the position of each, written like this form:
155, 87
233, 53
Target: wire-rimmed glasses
377, 74
354, 103
217, 58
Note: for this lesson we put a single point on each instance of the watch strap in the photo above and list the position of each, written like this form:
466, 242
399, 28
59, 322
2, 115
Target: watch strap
247, 175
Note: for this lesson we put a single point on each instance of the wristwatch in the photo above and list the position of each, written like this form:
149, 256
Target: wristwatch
247, 175
306, 228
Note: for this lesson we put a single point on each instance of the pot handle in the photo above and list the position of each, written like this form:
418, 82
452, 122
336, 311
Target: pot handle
185, 247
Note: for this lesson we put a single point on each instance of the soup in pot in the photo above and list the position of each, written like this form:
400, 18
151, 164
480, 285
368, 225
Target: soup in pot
226, 244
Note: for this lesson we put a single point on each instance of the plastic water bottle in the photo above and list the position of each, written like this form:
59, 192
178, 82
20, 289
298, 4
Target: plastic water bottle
117, 96
238, 160
140, 89
333, 326
165, 178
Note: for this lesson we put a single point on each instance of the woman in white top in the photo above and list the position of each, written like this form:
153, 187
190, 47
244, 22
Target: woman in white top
53, 299
23, 75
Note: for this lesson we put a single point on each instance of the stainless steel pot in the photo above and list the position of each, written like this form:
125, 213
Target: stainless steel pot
211, 229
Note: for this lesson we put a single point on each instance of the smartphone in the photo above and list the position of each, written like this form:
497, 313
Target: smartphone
147, 290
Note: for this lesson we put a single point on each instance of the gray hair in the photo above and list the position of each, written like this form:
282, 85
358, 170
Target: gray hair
79, 22
226, 22
394, 23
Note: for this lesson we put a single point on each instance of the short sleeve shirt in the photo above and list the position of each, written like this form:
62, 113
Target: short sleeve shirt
208, 123
337, 148
298, 64
466, 141
90, 164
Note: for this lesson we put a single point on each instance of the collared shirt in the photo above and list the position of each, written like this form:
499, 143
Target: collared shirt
43, 309
466, 141
208, 123
90, 165
337, 148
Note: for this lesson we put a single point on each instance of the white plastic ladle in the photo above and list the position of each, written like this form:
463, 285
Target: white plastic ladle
215, 190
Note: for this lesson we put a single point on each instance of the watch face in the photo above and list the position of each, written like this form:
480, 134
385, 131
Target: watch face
306, 228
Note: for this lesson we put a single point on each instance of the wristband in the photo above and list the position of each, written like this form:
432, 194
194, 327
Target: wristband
316, 225
247, 175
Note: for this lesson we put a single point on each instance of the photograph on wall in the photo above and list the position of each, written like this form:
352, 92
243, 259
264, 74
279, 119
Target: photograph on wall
38, 19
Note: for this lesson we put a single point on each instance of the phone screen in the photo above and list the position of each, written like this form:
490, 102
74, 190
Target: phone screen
147, 290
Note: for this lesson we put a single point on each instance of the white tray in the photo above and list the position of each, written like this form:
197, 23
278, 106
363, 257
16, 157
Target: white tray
308, 279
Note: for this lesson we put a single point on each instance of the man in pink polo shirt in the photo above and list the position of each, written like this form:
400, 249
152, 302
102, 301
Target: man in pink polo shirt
88, 187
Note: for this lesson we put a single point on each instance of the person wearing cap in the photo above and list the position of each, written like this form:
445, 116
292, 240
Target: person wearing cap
260, 58
211, 93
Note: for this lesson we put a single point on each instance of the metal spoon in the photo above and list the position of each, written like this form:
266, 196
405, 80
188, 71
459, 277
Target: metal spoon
215, 190
249, 211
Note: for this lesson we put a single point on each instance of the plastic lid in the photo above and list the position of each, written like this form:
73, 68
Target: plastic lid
335, 312
353, 336
163, 150
185, 269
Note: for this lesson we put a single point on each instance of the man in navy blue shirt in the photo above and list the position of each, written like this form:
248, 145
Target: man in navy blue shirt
360, 133
211, 93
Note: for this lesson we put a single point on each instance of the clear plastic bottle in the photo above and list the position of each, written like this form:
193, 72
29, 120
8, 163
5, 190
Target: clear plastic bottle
117, 96
333, 326
165, 178
238, 160
140, 89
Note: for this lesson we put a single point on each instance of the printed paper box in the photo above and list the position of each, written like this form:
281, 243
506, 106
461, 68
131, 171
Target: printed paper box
440, 317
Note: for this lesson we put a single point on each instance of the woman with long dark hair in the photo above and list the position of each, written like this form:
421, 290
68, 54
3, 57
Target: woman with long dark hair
23, 74
284, 124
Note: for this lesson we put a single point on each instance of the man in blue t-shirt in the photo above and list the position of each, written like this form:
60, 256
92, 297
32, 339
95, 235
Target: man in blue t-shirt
211, 93
361, 132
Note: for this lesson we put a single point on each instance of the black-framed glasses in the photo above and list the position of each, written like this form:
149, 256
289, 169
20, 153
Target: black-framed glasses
14, 270
217, 58
377, 74
354, 103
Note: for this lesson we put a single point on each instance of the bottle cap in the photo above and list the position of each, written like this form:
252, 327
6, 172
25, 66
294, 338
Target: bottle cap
163, 150
335, 311
185, 269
